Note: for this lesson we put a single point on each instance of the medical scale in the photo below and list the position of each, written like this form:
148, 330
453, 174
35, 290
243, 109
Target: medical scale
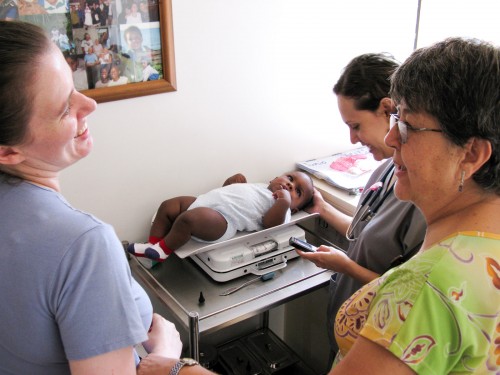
256, 253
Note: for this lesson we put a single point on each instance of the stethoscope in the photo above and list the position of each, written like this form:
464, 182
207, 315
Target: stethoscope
377, 194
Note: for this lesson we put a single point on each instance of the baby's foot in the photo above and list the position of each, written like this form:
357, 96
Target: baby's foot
148, 250
138, 249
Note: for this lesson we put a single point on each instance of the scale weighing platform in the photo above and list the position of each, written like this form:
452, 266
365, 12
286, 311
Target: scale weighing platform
246, 253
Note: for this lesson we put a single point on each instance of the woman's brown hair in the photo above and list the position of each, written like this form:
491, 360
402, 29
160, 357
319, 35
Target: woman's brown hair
21, 46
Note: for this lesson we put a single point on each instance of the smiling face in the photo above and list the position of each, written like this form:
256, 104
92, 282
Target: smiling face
104, 75
115, 73
366, 127
428, 165
57, 131
298, 184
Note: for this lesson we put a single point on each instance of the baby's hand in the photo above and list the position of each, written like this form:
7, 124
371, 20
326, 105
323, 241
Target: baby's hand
282, 194
238, 178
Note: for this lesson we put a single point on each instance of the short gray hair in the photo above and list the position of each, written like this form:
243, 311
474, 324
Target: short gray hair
457, 81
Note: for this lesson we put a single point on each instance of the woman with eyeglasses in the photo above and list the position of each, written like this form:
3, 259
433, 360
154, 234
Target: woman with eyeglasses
438, 313
384, 229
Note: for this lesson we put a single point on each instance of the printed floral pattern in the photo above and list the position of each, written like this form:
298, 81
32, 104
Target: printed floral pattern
418, 349
439, 312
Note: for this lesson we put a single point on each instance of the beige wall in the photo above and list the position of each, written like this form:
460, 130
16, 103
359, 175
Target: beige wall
254, 95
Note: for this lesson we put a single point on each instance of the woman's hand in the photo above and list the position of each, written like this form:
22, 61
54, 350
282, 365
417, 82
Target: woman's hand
329, 258
317, 205
164, 339
332, 216
337, 260
155, 364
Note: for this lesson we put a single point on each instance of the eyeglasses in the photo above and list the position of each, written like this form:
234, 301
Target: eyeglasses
403, 128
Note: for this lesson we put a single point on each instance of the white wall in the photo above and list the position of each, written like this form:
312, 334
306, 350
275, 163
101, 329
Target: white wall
465, 18
254, 95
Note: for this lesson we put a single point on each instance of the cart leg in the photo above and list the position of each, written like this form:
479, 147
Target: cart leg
265, 319
194, 335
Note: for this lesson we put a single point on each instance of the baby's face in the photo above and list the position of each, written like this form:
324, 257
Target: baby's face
298, 184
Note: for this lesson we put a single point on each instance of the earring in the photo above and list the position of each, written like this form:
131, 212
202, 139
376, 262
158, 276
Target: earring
461, 185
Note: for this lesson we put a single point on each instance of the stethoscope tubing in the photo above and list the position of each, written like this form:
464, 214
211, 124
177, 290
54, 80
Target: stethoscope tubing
365, 212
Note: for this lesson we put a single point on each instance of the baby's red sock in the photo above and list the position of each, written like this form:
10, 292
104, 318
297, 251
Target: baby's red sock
164, 247
154, 240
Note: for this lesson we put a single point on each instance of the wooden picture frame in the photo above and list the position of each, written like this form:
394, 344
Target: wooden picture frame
165, 84
120, 69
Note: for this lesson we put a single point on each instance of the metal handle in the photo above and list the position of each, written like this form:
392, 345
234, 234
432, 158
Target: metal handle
263, 271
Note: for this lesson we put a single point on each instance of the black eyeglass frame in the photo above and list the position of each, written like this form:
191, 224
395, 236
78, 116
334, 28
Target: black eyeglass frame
403, 128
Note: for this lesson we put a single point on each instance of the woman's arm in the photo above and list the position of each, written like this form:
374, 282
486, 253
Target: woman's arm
165, 347
338, 261
120, 361
366, 357
154, 364
338, 220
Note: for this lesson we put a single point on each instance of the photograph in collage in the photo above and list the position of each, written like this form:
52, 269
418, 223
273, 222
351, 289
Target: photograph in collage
105, 42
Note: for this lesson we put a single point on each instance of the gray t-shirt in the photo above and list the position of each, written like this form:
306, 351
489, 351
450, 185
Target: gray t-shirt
396, 229
66, 288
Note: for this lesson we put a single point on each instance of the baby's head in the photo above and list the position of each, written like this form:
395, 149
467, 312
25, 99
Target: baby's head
133, 37
300, 186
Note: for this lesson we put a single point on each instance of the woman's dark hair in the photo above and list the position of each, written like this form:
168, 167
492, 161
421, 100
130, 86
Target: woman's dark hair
366, 79
21, 46
457, 81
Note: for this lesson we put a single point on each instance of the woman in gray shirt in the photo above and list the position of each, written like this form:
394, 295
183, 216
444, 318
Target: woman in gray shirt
384, 230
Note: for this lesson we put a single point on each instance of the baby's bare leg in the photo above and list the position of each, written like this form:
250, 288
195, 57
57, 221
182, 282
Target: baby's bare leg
168, 211
202, 222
